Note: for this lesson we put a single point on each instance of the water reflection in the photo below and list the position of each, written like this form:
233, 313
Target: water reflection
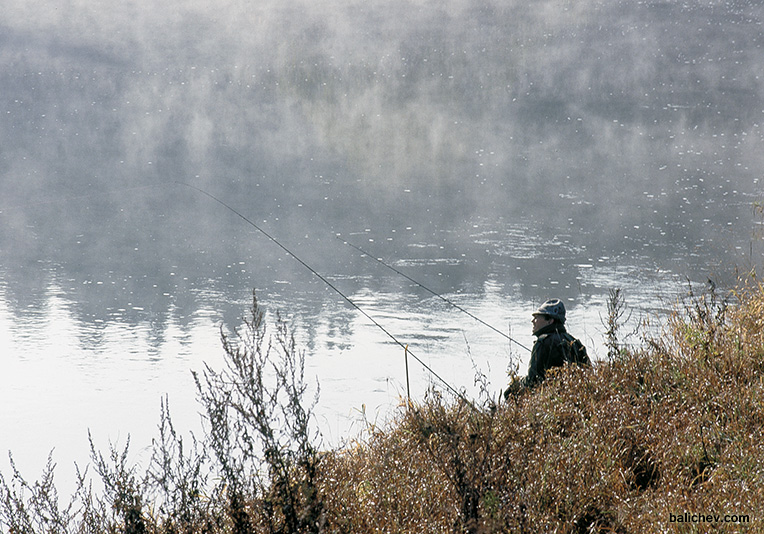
497, 152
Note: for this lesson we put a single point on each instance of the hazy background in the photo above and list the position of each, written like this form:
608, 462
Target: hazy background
499, 152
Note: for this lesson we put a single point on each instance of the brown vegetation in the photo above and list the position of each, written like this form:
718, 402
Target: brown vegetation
641, 443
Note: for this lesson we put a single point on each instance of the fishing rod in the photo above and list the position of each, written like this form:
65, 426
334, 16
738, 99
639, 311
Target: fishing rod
280, 245
441, 297
334, 288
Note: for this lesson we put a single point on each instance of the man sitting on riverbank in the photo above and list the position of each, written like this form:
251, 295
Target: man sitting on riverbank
554, 346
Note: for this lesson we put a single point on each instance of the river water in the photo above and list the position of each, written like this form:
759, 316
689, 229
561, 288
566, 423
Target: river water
498, 153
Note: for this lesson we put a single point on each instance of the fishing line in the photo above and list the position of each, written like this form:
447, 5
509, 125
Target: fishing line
441, 297
280, 245
332, 286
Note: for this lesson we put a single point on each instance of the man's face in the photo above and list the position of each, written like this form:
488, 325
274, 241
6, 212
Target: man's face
539, 322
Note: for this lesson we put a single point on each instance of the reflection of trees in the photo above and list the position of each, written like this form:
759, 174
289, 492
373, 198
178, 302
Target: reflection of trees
626, 126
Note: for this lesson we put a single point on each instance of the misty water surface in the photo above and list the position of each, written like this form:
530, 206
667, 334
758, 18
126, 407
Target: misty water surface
498, 152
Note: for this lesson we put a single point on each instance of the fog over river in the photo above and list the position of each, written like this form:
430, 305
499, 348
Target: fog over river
498, 152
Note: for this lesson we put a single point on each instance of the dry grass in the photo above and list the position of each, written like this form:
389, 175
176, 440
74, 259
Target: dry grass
635, 445
672, 428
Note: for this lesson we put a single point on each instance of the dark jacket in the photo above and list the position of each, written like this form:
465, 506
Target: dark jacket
553, 347
548, 351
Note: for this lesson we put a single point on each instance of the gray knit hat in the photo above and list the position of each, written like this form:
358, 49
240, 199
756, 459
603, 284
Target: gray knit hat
554, 308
